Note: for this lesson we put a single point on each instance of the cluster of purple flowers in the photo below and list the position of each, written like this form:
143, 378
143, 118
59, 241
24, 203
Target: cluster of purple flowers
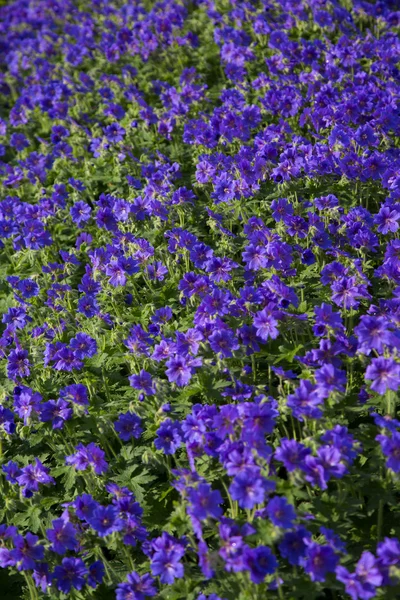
199, 342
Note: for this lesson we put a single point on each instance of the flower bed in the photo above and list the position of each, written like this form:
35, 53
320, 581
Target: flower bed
200, 297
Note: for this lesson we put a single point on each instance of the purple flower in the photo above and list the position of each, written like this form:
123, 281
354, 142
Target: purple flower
128, 426
6, 558
168, 437
66, 360
260, 562
352, 585
330, 379
363, 583
281, 208
343, 441
42, 577
18, 364
167, 565
83, 346
138, 340
224, 189
157, 271
291, 453
326, 320
83, 238
138, 587
180, 369
384, 373
280, 512
76, 392
373, 333
18, 141
255, 257
367, 570
96, 574
84, 506
114, 110
305, 400
247, 488
258, 419
223, 341
105, 520
80, 212
232, 547
88, 455
219, 268
387, 219
70, 574
27, 288
116, 272
62, 536
88, 306
266, 325
15, 318
33, 475
77, 184
26, 551
12, 471
80, 460
326, 465
7, 420
26, 403
391, 449
319, 561
346, 292
389, 551
205, 502
293, 547
114, 133
333, 539
7, 532
143, 382
365, 135
56, 411
162, 315
96, 458
193, 429
133, 531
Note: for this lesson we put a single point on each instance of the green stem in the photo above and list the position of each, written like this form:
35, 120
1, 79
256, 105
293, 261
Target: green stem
128, 556
380, 519
389, 404
231, 504
111, 574
280, 591
108, 445
253, 367
293, 427
103, 373
31, 586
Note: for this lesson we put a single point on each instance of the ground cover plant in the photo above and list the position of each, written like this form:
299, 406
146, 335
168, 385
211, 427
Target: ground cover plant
200, 298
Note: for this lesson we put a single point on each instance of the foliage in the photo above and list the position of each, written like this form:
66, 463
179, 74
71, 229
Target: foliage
199, 289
